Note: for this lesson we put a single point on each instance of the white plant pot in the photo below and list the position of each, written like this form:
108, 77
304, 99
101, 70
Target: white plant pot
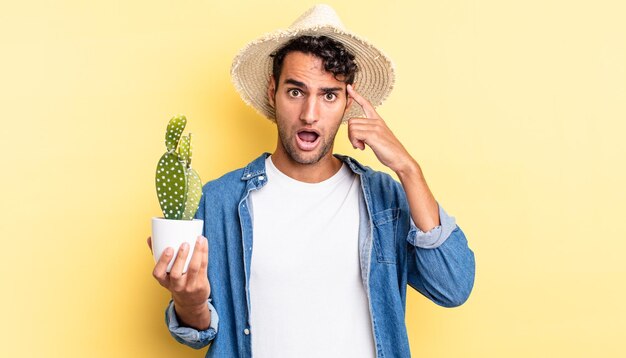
172, 233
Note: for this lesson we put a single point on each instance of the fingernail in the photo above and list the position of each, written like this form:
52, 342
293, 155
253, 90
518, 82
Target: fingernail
167, 251
199, 239
184, 246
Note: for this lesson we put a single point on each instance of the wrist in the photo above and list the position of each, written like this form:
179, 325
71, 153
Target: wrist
408, 168
195, 307
194, 316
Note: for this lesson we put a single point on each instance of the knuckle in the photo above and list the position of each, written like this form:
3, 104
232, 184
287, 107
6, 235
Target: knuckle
157, 274
177, 288
175, 276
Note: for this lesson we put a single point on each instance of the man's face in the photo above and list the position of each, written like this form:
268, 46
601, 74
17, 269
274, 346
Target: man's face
309, 104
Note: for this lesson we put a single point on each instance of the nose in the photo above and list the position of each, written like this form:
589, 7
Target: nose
310, 111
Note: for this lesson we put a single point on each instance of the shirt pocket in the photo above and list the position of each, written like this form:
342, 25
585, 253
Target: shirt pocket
385, 224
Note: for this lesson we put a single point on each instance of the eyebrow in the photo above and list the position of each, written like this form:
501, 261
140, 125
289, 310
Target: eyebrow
302, 85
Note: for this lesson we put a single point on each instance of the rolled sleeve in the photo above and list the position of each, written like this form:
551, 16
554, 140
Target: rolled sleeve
190, 336
434, 237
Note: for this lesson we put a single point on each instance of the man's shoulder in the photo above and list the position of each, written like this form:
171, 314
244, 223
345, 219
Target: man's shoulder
381, 187
378, 175
373, 176
383, 183
229, 179
235, 179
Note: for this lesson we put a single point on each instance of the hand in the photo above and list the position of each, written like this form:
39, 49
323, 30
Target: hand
189, 290
373, 131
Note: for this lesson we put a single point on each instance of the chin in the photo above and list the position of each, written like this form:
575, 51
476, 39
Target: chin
305, 158
289, 143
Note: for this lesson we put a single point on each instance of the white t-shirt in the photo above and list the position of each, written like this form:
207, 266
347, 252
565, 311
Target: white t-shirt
306, 294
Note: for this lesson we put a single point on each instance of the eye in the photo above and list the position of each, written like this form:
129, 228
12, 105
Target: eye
294, 92
330, 96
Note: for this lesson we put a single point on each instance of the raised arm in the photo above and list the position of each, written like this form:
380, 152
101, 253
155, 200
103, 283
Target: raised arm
440, 266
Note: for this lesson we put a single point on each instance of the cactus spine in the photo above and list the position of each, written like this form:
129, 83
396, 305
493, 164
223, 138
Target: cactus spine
179, 187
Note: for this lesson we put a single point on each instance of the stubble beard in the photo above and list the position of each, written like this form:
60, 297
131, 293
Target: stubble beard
288, 142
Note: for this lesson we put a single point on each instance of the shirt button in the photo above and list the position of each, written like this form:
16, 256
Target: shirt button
261, 177
246, 331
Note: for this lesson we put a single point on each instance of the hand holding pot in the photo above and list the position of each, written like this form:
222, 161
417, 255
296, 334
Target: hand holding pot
190, 290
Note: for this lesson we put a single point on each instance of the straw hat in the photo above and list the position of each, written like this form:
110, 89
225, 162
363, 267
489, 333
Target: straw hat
252, 67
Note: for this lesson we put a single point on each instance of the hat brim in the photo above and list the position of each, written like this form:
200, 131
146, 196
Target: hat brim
252, 68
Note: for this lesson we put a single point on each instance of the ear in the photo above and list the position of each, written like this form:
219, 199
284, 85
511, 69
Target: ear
271, 92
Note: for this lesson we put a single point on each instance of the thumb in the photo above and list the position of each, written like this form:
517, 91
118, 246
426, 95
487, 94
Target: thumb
356, 143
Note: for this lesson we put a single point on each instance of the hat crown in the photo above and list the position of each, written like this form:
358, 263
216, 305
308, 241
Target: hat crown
252, 67
320, 15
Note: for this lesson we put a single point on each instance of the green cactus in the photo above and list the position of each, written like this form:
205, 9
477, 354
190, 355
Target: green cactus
179, 187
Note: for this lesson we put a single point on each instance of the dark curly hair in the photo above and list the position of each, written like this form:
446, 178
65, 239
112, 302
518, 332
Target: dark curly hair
334, 55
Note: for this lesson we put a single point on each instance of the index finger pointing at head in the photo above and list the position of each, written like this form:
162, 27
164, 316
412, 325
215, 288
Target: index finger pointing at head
369, 110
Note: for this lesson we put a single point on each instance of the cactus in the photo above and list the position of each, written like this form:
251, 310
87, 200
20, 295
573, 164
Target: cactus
179, 187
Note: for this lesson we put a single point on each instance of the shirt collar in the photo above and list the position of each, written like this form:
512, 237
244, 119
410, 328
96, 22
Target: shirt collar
257, 166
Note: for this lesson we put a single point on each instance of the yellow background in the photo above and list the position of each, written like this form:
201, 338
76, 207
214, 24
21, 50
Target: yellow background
515, 110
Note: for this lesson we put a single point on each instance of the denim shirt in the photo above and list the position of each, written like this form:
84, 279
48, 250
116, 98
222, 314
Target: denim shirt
393, 252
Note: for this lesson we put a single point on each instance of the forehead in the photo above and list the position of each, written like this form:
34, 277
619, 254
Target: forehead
309, 69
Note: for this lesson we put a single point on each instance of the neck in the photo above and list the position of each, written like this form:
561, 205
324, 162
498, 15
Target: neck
325, 168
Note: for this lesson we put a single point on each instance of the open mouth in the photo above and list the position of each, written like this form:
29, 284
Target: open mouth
307, 140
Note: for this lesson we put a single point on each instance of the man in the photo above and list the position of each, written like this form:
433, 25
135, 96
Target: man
335, 243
